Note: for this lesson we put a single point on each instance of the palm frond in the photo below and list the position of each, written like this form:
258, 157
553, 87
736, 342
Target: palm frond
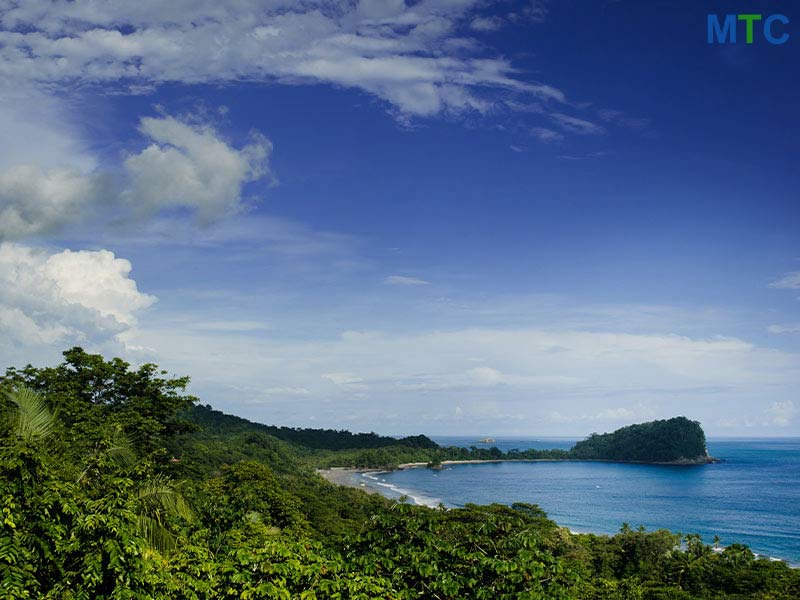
158, 495
158, 537
121, 451
159, 499
33, 420
115, 447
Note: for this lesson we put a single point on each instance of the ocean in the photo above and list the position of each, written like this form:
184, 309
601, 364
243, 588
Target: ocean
752, 497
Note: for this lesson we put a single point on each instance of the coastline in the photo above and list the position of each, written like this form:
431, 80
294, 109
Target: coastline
345, 476
334, 472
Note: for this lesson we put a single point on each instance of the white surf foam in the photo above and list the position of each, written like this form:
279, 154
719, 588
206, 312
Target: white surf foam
396, 492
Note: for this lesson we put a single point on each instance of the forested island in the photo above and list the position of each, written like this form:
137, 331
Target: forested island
115, 483
676, 441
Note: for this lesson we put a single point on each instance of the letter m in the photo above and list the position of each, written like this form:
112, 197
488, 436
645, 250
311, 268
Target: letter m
723, 32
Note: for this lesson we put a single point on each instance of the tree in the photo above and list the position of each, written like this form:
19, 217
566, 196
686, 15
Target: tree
88, 529
90, 394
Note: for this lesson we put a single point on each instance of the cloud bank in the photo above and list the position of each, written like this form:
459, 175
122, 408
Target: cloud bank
415, 57
186, 166
510, 380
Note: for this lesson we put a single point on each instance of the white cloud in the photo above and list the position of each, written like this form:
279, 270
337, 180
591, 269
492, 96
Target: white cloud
343, 379
487, 376
546, 135
534, 11
790, 281
413, 56
789, 328
286, 391
66, 297
576, 125
404, 280
191, 167
525, 374
587, 156
42, 128
186, 166
33, 201
618, 117
232, 326
492, 23
613, 415
781, 413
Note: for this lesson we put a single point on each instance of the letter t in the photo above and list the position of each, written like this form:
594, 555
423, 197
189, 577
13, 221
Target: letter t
749, 20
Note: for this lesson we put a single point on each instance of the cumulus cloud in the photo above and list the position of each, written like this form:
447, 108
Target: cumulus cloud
413, 56
66, 297
404, 280
790, 281
34, 201
191, 167
186, 165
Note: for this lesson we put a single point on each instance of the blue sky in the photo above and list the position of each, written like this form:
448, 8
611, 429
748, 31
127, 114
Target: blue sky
445, 216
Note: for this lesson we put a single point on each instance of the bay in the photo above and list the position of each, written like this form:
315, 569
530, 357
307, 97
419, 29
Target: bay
751, 497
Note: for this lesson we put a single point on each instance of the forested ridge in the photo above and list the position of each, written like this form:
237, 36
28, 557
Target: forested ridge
116, 484
670, 441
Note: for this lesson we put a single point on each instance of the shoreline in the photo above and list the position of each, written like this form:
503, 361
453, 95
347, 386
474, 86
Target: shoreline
415, 465
344, 476
707, 460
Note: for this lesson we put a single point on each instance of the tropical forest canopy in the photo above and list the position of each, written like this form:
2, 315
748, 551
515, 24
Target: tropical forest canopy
114, 483
671, 440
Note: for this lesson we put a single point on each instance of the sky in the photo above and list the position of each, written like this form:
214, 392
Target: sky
444, 217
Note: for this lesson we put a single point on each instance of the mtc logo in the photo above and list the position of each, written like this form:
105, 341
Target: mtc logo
725, 32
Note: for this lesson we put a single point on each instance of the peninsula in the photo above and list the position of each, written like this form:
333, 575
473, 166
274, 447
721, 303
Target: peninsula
677, 441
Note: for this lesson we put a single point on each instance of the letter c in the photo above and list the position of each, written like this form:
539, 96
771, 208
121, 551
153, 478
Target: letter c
768, 29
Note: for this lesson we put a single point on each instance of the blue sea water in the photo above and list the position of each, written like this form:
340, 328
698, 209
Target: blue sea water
752, 497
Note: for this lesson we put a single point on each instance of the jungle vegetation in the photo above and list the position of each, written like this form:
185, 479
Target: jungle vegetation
112, 485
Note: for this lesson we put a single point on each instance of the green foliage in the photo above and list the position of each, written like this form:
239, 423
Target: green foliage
33, 420
318, 439
90, 394
92, 508
476, 552
672, 440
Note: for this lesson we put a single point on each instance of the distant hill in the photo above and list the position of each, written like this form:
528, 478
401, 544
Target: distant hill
672, 441
318, 439
677, 440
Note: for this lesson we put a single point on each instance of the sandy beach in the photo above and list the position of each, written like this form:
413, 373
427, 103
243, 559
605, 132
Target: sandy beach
344, 476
